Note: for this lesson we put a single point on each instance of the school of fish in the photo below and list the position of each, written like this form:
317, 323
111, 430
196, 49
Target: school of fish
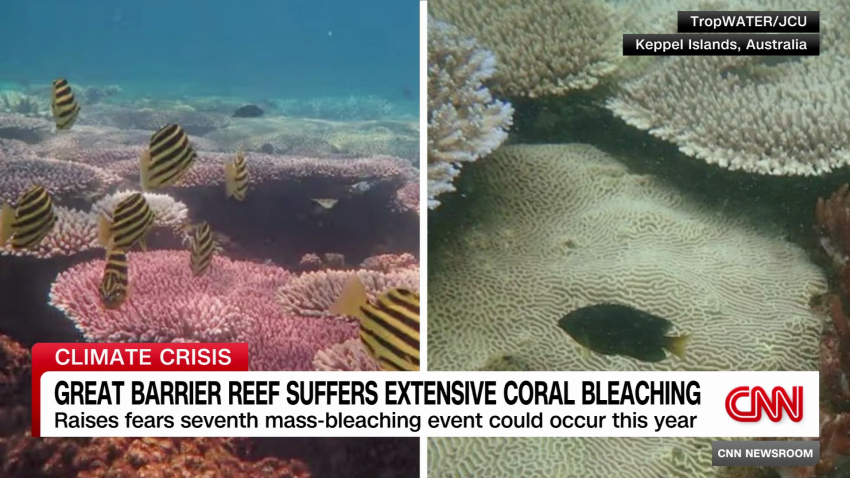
389, 328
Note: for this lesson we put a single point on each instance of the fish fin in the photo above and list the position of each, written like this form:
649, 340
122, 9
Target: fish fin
144, 165
677, 345
7, 217
351, 299
104, 232
230, 180
143, 243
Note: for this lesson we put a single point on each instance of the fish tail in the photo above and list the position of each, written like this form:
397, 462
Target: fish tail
677, 345
144, 164
7, 217
351, 299
104, 232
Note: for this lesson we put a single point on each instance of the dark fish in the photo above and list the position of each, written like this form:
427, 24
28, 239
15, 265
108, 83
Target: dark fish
613, 329
236, 178
389, 329
202, 249
248, 111
407, 93
130, 222
267, 148
169, 157
31, 222
115, 286
64, 106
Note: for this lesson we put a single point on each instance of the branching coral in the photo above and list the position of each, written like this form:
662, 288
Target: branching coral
76, 231
350, 355
312, 293
741, 114
60, 178
464, 121
232, 301
543, 47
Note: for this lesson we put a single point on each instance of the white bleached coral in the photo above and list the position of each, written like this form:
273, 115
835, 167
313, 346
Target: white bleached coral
543, 47
464, 121
738, 113
560, 227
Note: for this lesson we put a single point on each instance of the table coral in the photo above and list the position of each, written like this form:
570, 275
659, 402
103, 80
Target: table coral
232, 302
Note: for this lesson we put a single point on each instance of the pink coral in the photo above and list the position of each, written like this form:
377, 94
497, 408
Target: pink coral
232, 301
407, 198
389, 262
312, 293
348, 356
60, 178
310, 261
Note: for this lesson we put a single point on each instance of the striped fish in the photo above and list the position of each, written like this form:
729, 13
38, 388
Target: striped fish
130, 222
167, 159
64, 105
236, 177
115, 286
202, 249
31, 222
389, 329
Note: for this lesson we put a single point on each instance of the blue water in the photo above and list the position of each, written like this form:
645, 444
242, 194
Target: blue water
248, 48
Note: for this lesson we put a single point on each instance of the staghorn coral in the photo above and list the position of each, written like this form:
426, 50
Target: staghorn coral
558, 227
312, 293
232, 301
543, 47
742, 113
347, 356
15, 386
62, 179
27, 457
464, 121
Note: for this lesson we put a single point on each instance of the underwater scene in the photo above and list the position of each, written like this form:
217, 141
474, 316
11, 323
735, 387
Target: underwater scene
208, 172
591, 211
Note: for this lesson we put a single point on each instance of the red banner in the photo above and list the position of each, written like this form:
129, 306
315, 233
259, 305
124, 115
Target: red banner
176, 357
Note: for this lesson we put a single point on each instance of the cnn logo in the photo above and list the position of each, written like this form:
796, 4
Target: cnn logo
760, 401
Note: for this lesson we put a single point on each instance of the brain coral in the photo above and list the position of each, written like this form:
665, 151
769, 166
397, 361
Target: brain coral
543, 47
559, 227
464, 121
569, 457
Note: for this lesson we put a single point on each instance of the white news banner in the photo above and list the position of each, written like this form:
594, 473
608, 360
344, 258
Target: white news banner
586, 404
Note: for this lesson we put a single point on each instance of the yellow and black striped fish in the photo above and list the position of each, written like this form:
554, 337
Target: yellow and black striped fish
236, 177
130, 222
31, 222
202, 249
64, 105
115, 286
389, 329
167, 159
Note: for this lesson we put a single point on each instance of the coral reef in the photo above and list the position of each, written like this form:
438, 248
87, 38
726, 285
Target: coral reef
27, 457
232, 302
15, 387
464, 121
742, 113
60, 178
24, 128
559, 227
350, 355
575, 42
312, 293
